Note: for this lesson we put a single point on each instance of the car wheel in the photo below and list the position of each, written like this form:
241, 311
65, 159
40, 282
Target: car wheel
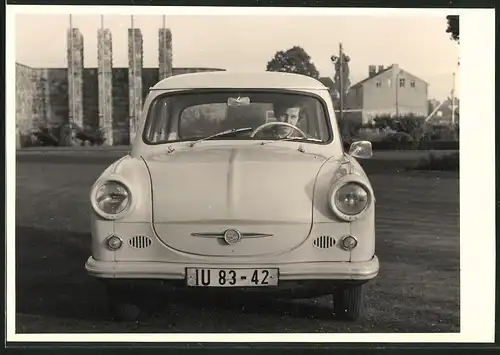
122, 303
348, 302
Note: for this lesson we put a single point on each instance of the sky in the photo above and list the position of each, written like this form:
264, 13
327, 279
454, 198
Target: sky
419, 45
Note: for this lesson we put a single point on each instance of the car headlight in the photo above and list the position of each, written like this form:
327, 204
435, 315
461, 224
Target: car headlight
112, 197
351, 199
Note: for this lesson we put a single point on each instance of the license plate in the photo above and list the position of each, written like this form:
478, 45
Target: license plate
231, 277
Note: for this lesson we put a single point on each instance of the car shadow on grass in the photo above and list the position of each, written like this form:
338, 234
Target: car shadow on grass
51, 281
314, 308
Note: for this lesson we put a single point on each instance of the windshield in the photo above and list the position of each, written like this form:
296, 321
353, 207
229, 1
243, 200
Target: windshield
191, 116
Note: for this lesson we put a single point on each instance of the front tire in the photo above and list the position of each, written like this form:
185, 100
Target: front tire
122, 304
348, 302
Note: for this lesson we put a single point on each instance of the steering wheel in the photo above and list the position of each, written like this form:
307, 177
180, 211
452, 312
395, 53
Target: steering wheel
268, 124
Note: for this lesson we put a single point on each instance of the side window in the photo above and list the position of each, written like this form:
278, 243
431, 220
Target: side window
163, 121
160, 120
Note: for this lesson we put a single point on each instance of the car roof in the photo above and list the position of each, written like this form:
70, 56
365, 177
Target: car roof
226, 79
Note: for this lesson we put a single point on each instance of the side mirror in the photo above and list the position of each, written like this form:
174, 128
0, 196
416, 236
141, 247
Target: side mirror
361, 149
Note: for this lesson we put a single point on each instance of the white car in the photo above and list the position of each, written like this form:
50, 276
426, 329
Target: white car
236, 181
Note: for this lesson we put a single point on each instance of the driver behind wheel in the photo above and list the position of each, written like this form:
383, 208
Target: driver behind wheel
290, 115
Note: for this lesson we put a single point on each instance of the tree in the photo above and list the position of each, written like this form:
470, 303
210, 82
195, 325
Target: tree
293, 60
328, 82
453, 27
346, 83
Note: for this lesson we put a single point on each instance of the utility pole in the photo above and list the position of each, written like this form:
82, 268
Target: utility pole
341, 80
453, 101
397, 94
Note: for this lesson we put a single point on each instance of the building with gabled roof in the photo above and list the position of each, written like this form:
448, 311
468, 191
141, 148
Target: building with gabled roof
387, 91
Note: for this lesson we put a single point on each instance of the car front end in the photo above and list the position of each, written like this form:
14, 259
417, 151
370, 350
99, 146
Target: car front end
256, 215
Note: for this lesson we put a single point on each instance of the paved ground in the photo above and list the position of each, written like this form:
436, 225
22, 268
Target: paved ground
417, 289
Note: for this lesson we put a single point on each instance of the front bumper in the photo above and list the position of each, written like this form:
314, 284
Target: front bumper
287, 271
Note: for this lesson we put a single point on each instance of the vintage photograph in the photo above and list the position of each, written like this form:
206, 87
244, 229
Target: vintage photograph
237, 173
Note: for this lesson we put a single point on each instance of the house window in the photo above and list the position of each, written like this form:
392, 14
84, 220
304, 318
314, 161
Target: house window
412, 83
378, 83
401, 83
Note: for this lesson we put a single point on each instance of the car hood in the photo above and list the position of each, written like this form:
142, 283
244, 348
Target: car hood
258, 189
250, 183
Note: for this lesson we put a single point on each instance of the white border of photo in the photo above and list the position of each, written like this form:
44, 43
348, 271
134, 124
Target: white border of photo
477, 165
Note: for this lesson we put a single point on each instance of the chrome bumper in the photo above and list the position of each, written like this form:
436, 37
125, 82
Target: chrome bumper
287, 271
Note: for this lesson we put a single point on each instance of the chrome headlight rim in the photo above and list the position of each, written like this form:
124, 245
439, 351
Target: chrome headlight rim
104, 214
346, 180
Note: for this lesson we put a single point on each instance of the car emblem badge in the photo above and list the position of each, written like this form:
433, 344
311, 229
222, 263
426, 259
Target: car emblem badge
232, 236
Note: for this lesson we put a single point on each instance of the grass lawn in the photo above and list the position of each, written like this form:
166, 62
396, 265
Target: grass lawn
417, 289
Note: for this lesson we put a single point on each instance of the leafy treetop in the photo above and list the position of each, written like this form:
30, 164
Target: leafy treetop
293, 60
453, 27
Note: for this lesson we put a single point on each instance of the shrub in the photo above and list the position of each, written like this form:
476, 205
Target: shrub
66, 134
409, 145
43, 137
441, 133
439, 145
410, 128
91, 136
349, 130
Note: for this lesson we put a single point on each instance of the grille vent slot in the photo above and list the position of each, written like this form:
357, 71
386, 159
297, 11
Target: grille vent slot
324, 242
140, 242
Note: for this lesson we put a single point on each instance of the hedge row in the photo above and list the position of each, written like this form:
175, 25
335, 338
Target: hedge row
449, 162
422, 145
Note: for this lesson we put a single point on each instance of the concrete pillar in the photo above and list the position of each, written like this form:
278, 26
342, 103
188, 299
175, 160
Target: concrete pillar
165, 53
18, 137
75, 76
41, 99
44, 92
105, 83
134, 78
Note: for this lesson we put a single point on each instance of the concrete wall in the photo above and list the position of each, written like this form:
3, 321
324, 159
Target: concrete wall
91, 99
42, 98
58, 110
25, 91
121, 119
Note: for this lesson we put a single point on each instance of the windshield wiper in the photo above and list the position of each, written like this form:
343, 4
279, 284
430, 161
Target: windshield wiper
223, 133
300, 139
